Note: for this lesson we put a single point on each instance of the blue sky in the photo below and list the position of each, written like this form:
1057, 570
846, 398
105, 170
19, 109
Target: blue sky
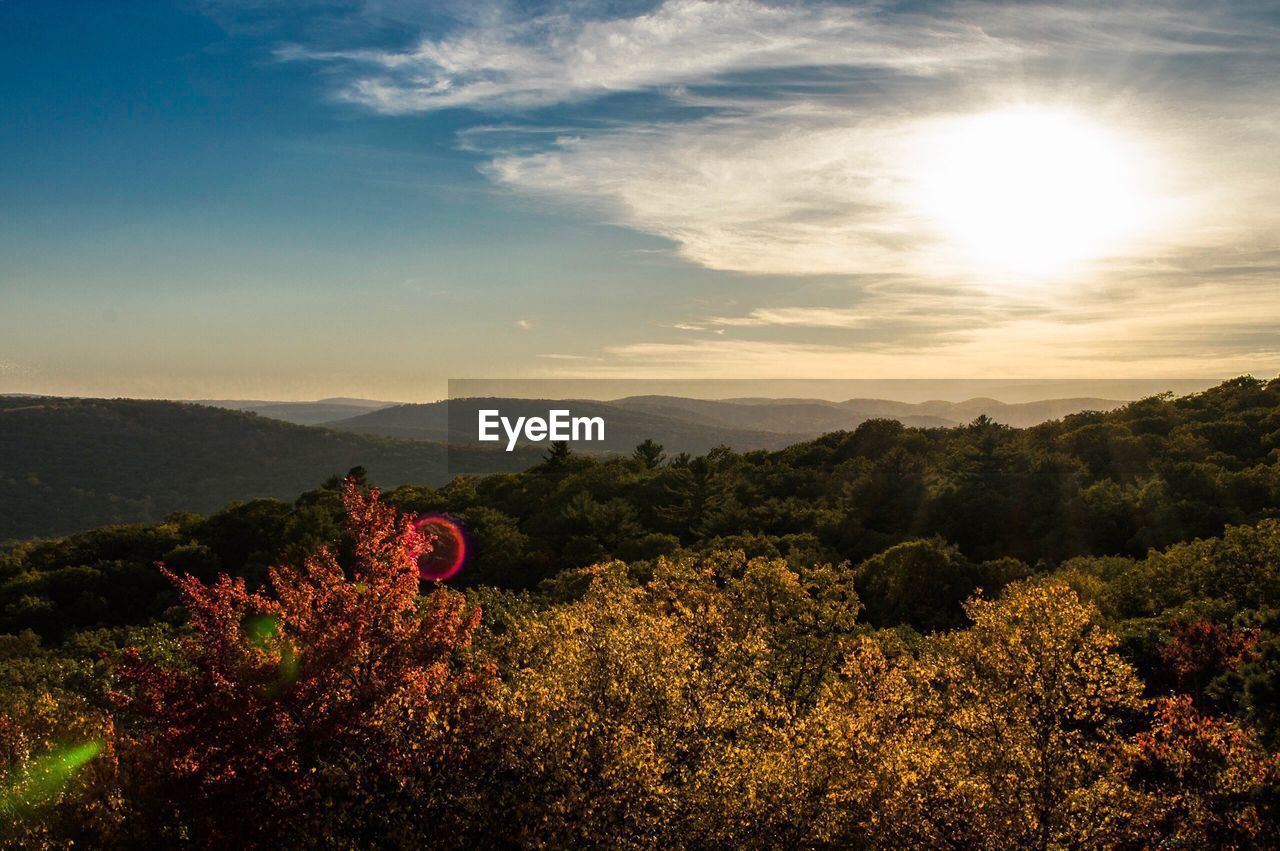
292, 200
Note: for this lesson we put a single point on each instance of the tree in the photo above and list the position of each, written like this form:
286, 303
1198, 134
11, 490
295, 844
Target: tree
650, 454
57, 773
1020, 718
1202, 782
1199, 651
681, 713
920, 583
558, 454
332, 703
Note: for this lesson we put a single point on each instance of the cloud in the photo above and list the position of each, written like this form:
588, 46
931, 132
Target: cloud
797, 190
799, 317
1230, 330
783, 176
814, 188
499, 59
524, 324
506, 62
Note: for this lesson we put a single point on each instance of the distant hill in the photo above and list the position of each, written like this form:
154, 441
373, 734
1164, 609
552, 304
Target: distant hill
695, 425
70, 464
817, 416
795, 417
1019, 415
455, 422
301, 413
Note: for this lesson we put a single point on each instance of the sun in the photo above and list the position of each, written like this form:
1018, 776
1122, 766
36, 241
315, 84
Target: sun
1030, 193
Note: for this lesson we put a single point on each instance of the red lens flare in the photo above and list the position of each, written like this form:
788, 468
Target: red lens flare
448, 553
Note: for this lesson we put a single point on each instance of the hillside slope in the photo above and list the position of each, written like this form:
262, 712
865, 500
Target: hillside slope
69, 464
300, 413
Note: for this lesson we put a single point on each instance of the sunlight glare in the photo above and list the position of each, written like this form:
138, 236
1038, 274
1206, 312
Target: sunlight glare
1031, 193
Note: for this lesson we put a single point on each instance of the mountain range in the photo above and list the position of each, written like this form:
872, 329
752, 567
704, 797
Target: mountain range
695, 425
69, 464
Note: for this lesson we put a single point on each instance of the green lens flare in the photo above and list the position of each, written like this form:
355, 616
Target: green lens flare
260, 629
42, 778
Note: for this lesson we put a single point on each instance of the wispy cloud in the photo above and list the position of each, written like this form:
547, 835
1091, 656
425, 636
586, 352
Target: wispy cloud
532, 61
1230, 330
500, 59
799, 189
798, 317
796, 157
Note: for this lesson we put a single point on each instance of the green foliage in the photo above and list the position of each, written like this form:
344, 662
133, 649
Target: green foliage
921, 583
1229, 589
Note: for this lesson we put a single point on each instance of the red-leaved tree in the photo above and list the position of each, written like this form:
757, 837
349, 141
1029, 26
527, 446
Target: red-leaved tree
333, 705
1202, 782
1197, 652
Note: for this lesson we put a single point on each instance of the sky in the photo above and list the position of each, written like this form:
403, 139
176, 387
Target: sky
281, 199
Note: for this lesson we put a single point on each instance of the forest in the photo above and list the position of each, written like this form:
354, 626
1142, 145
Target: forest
974, 637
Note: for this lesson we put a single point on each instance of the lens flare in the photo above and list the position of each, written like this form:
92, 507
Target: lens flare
449, 547
263, 633
40, 780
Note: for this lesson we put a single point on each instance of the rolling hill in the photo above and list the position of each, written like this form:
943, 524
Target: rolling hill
455, 422
695, 425
300, 413
70, 464
817, 416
